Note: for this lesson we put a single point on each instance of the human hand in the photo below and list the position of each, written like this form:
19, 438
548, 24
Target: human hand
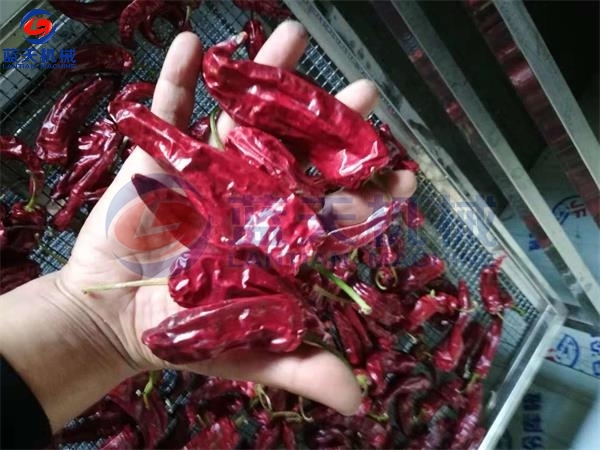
116, 319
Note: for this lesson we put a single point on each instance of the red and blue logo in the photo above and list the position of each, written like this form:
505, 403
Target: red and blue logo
39, 29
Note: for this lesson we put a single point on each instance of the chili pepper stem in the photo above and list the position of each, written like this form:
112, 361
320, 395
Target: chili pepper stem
301, 407
384, 417
292, 416
364, 307
378, 279
363, 382
263, 398
213, 128
325, 293
520, 311
152, 378
127, 284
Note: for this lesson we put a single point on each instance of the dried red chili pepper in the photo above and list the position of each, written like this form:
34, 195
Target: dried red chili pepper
60, 126
103, 143
223, 434
135, 92
488, 350
448, 394
127, 439
91, 13
269, 8
349, 340
399, 159
148, 413
267, 437
290, 230
25, 225
469, 418
428, 305
12, 147
489, 287
256, 37
172, 11
405, 413
381, 363
408, 384
415, 277
133, 15
273, 323
386, 308
288, 437
473, 339
358, 326
447, 355
336, 139
95, 58
16, 270
200, 274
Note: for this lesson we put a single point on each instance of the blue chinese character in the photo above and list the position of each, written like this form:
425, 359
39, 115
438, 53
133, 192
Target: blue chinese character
532, 442
567, 351
532, 402
596, 368
67, 56
532, 422
11, 55
29, 55
47, 55
595, 347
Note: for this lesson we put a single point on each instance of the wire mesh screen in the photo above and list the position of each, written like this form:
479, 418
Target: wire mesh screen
25, 99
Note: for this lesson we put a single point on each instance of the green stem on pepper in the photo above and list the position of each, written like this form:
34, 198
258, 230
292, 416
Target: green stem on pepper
364, 307
127, 284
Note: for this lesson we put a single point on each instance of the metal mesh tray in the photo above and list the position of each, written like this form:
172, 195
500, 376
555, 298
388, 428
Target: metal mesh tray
24, 101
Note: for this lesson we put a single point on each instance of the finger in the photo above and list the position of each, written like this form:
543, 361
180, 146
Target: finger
352, 207
361, 96
309, 372
175, 89
283, 48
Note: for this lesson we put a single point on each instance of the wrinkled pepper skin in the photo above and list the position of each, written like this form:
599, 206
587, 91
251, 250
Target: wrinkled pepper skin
95, 58
469, 418
59, 128
428, 305
222, 434
91, 13
381, 363
256, 37
172, 11
274, 323
415, 277
133, 15
337, 140
349, 340
104, 141
201, 274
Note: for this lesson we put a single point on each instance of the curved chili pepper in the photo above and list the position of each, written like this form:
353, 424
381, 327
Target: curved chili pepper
381, 363
60, 126
269, 8
386, 308
428, 305
25, 225
351, 343
268, 153
103, 143
172, 11
355, 321
415, 277
256, 37
135, 92
489, 287
95, 58
469, 418
16, 271
273, 323
488, 350
135, 13
447, 354
404, 385
338, 141
91, 13
473, 339
12, 147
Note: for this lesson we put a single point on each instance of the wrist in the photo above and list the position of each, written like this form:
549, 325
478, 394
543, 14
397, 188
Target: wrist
60, 347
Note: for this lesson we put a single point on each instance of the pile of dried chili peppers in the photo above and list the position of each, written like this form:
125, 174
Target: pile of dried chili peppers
285, 276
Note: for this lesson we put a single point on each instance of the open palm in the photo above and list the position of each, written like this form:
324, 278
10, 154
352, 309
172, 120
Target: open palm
123, 314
